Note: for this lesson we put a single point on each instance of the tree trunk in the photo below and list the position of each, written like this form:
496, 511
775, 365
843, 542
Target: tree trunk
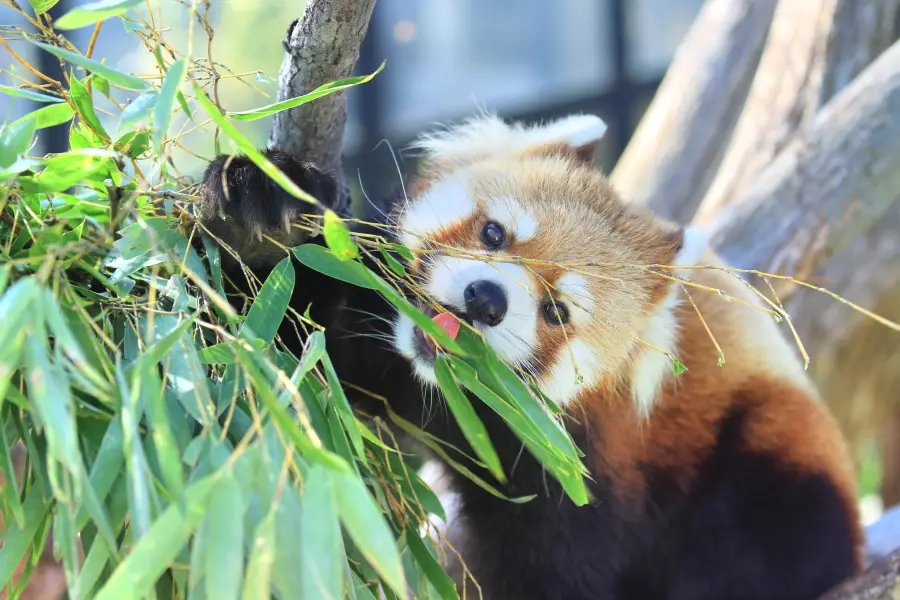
672, 156
880, 582
323, 46
833, 180
815, 48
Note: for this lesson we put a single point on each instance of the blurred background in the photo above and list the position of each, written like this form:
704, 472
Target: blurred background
445, 59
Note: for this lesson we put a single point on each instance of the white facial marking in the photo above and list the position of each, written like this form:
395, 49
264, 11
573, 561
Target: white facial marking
516, 219
516, 336
577, 367
652, 368
446, 203
404, 329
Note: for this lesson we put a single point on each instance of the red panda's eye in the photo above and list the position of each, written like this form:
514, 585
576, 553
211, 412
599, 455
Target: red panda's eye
555, 313
492, 234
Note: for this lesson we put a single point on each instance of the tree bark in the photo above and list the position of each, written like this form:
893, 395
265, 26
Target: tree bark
838, 177
814, 49
881, 581
672, 156
323, 46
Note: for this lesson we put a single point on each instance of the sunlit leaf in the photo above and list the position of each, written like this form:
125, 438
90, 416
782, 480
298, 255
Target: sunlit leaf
320, 545
324, 90
338, 238
270, 305
42, 6
467, 419
48, 116
112, 75
15, 140
367, 528
90, 13
223, 529
158, 548
162, 111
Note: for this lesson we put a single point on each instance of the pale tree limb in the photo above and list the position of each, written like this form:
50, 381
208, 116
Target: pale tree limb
814, 49
840, 173
323, 46
881, 581
673, 154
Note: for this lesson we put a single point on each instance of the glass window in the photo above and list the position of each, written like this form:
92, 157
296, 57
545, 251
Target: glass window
447, 58
653, 30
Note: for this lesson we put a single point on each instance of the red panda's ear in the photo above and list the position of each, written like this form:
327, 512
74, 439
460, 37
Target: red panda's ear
575, 135
686, 246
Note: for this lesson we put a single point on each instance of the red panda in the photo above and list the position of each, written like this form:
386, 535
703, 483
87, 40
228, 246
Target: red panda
728, 481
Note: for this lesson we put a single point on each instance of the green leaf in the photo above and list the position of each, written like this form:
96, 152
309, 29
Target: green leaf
324, 90
85, 105
90, 13
15, 140
48, 116
344, 411
392, 262
270, 305
367, 528
320, 547
42, 6
31, 95
162, 112
9, 492
338, 237
258, 580
112, 75
224, 353
146, 376
134, 143
467, 419
66, 170
100, 84
678, 367
223, 532
324, 261
138, 111
403, 251
430, 566
156, 550
16, 540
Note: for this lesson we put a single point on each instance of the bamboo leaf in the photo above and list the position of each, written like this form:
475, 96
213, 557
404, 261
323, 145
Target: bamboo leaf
338, 238
223, 530
324, 90
467, 419
269, 307
112, 75
321, 555
162, 111
90, 13
156, 550
367, 528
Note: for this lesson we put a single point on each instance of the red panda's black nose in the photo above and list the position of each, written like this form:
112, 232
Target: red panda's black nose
485, 302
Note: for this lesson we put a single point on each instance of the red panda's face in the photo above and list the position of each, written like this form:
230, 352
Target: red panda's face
532, 248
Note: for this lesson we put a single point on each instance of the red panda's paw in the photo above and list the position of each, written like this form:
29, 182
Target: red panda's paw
243, 206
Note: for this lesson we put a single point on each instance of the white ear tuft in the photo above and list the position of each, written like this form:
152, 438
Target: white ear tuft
575, 131
486, 135
695, 243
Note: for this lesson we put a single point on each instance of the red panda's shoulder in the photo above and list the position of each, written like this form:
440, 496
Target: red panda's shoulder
758, 403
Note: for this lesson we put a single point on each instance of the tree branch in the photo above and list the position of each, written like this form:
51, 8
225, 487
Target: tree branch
814, 49
323, 46
829, 185
674, 152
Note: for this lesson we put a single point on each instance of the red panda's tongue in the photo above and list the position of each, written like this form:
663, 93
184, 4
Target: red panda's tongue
448, 323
